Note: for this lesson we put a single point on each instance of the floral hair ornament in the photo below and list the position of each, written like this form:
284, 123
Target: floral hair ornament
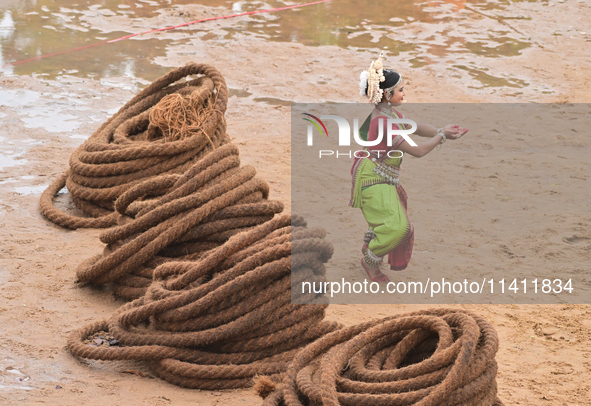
369, 82
374, 75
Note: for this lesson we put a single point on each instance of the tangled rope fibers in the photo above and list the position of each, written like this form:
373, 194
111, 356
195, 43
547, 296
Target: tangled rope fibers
438, 357
165, 129
217, 322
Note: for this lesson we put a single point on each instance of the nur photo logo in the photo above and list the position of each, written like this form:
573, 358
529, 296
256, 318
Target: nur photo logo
395, 127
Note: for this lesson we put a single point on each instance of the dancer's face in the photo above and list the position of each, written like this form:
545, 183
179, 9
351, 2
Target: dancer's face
398, 97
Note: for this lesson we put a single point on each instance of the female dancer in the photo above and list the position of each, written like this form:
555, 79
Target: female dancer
376, 189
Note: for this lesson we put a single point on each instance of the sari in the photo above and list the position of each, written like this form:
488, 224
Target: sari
376, 190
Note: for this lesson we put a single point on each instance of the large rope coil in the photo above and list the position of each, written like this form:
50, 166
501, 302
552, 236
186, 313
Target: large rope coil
193, 213
437, 357
165, 128
217, 322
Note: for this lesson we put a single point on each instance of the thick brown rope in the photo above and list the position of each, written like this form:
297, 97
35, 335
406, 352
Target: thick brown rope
165, 129
163, 171
195, 212
437, 357
217, 322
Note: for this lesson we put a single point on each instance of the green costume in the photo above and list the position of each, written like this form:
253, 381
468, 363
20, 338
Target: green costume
376, 191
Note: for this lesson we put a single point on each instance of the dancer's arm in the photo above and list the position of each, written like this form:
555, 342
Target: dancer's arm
450, 131
421, 149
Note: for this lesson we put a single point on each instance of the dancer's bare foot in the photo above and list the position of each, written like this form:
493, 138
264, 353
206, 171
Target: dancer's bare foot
364, 248
374, 273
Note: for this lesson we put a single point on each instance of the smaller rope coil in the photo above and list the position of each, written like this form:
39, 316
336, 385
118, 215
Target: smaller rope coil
218, 322
437, 357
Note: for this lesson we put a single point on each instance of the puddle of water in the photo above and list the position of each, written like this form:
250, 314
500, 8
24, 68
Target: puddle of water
30, 29
42, 27
274, 101
489, 80
10, 160
30, 141
13, 180
11, 154
12, 378
13, 371
36, 112
238, 93
44, 118
30, 190
345, 24
18, 98
79, 136
496, 47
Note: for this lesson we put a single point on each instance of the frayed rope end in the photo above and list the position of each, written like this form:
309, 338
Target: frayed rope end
264, 386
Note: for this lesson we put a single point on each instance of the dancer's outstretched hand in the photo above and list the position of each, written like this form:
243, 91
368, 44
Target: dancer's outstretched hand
453, 131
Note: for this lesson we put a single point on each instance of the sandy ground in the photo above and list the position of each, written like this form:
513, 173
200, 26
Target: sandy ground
545, 354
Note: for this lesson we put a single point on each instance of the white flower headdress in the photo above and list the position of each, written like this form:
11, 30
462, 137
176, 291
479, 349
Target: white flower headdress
369, 82
372, 78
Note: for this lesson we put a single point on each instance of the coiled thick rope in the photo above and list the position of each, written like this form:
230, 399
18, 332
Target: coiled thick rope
195, 212
166, 128
163, 170
217, 322
438, 357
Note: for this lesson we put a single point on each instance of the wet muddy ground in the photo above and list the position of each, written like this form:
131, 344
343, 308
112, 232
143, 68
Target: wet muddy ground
448, 51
